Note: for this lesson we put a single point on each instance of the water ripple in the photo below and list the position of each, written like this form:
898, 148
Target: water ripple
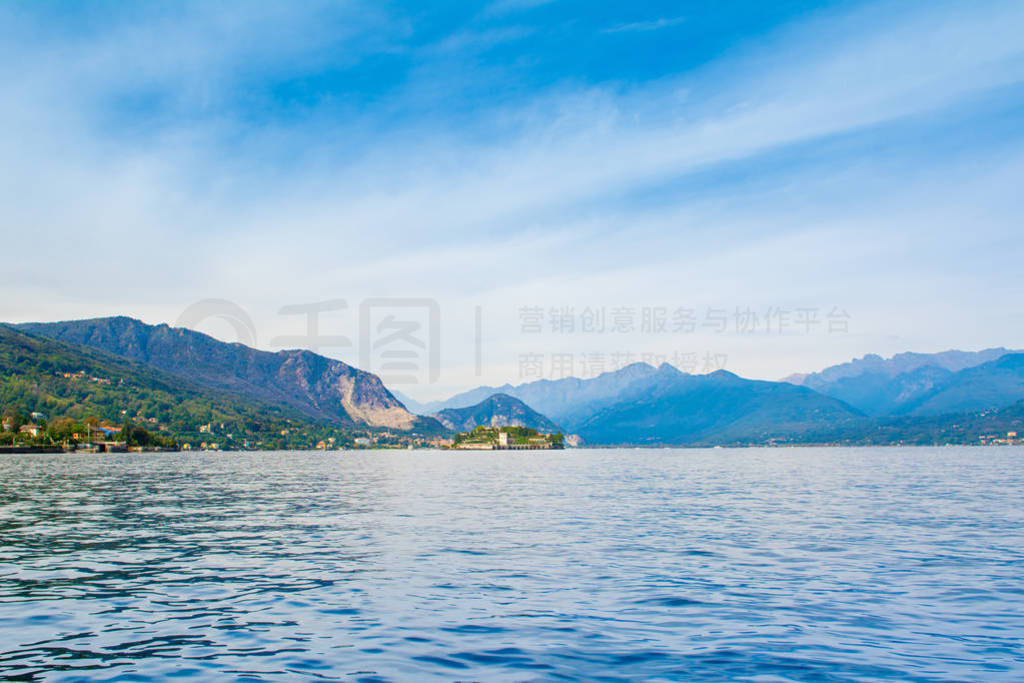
804, 564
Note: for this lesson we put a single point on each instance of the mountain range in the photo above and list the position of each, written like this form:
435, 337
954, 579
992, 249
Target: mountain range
642, 404
910, 397
990, 385
565, 401
922, 384
668, 406
868, 400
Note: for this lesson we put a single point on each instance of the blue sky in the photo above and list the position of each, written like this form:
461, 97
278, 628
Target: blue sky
865, 156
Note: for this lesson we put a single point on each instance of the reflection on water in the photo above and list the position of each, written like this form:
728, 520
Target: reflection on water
816, 564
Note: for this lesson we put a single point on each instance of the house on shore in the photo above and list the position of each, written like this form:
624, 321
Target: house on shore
31, 429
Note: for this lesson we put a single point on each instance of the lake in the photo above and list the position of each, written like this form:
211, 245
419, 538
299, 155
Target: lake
766, 564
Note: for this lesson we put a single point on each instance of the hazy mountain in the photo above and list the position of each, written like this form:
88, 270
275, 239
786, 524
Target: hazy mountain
464, 399
672, 407
411, 404
643, 404
991, 385
877, 393
972, 427
952, 360
563, 400
499, 410
318, 387
885, 386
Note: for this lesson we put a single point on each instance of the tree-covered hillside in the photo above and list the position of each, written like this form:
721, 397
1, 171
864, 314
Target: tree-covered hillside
61, 380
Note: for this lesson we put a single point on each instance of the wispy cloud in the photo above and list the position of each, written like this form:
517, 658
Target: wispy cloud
649, 25
478, 40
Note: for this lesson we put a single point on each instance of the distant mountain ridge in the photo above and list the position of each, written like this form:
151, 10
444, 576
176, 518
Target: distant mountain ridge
952, 360
670, 407
411, 404
318, 387
902, 384
869, 400
991, 385
497, 410
562, 400
642, 404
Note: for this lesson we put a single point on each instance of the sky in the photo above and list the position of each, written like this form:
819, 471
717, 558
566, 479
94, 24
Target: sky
542, 187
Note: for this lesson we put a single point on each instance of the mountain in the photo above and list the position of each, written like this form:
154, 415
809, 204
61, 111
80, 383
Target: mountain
499, 410
674, 408
565, 401
462, 400
952, 360
411, 404
972, 427
642, 404
65, 380
991, 385
876, 393
317, 387
180, 379
884, 386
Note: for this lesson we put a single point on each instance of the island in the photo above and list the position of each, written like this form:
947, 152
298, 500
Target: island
509, 438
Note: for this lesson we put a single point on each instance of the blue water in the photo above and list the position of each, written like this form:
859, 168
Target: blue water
759, 564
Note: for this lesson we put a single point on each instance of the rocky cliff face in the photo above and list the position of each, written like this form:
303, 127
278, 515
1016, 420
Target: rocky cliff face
319, 387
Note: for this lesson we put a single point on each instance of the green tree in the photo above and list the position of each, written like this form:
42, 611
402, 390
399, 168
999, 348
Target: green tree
140, 436
126, 432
